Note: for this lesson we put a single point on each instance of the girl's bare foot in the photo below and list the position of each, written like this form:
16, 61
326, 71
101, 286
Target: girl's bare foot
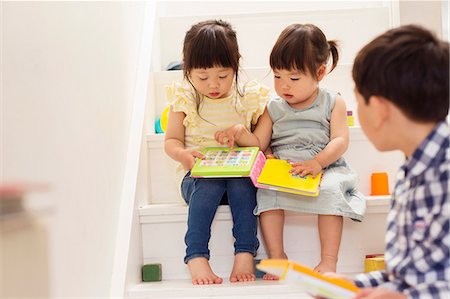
269, 276
243, 268
327, 264
201, 272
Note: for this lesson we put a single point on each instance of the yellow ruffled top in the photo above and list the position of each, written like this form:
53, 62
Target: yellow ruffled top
214, 115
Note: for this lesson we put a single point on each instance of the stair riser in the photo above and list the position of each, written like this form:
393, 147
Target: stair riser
301, 242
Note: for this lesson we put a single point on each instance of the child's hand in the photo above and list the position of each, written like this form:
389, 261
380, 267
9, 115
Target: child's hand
269, 155
378, 293
187, 157
306, 167
230, 135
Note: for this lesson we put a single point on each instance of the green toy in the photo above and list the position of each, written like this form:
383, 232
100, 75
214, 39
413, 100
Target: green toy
151, 272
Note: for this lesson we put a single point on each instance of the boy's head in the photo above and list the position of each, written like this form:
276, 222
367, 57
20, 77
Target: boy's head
409, 67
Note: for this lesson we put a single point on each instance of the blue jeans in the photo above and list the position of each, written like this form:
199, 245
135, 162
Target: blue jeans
203, 197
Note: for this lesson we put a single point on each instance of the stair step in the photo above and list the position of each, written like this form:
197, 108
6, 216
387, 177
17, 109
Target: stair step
163, 213
175, 289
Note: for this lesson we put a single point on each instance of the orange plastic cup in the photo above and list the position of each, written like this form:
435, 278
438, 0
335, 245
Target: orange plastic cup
379, 183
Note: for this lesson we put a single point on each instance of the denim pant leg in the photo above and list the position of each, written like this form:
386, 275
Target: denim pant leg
242, 201
203, 197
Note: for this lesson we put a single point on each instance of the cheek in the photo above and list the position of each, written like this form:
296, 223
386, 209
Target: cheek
365, 123
201, 86
277, 85
229, 84
361, 116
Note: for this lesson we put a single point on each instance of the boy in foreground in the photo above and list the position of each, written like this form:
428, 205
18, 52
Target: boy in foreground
402, 90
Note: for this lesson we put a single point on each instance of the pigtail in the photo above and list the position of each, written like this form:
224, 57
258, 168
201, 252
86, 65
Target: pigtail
334, 54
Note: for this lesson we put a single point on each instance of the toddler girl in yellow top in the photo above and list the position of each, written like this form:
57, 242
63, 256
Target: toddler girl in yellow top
209, 100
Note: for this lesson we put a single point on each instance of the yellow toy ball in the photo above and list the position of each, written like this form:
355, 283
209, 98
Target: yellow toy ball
164, 119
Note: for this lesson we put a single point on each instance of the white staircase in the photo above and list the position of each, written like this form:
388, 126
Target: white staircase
161, 218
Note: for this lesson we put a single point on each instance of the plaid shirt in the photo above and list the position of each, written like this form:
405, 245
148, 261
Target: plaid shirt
417, 237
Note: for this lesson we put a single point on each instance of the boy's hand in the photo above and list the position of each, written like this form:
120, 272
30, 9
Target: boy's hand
187, 157
230, 135
306, 167
378, 293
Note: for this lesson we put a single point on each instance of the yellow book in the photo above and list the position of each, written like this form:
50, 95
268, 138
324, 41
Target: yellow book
276, 176
309, 281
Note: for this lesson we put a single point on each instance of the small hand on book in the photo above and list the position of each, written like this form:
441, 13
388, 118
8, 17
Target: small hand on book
306, 167
187, 157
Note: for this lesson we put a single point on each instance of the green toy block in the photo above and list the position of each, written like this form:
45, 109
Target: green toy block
258, 273
151, 272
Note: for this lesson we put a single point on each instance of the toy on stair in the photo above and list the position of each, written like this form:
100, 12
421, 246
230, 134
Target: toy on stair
161, 123
379, 184
174, 66
151, 272
374, 262
350, 118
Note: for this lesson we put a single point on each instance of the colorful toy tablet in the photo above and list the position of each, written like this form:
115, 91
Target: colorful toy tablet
225, 162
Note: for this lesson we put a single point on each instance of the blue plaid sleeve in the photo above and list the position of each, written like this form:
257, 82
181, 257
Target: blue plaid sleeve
371, 279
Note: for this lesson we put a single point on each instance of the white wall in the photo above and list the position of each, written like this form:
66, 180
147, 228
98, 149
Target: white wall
426, 13
259, 23
68, 73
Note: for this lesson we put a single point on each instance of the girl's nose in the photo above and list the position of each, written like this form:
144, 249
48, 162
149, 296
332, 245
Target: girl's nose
213, 83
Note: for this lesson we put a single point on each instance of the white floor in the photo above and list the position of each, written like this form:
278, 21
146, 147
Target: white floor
176, 289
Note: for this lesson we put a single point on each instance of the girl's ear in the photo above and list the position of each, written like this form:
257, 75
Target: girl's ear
321, 72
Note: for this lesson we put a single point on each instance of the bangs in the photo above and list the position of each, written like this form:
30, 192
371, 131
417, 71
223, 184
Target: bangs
292, 54
212, 50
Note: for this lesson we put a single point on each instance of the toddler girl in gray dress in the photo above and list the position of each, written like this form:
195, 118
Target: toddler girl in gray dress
305, 124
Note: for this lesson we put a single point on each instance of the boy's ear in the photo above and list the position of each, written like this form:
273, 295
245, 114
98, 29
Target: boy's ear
381, 110
321, 72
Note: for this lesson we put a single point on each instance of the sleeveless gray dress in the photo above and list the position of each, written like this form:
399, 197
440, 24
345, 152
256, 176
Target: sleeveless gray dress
298, 135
